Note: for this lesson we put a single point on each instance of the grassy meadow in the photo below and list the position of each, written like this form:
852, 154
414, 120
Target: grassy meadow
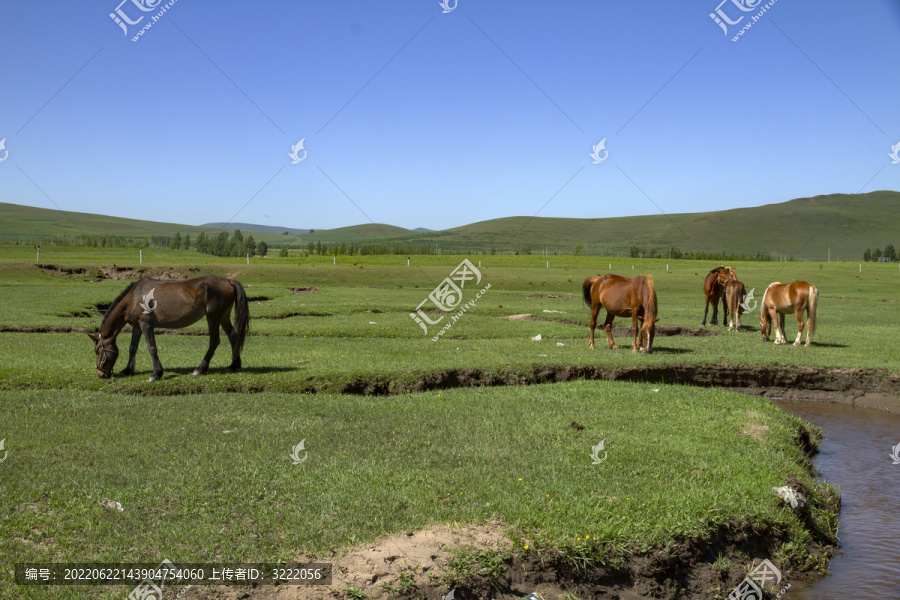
202, 465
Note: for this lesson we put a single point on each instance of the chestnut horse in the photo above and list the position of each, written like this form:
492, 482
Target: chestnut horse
783, 299
714, 289
147, 304
623, 297
734, 296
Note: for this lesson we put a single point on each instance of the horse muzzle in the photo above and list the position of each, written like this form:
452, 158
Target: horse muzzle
104, 374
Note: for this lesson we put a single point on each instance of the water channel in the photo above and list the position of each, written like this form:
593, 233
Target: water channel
855, 455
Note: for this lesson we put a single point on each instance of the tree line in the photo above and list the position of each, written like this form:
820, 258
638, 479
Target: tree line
888, 253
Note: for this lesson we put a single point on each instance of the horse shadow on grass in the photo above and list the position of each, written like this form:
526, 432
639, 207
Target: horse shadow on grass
181, 371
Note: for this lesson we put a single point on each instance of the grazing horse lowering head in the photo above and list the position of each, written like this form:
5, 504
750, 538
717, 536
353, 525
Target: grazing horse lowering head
765, 326
107, 353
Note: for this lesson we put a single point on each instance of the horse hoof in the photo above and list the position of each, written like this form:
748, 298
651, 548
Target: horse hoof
153, 378
197, 372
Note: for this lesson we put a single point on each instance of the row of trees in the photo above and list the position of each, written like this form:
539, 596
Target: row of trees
889, 252
675, 253
362, 249
236, 245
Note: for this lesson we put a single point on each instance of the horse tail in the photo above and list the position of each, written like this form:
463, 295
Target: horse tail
811, 310
241, 315
651, 297
586, 289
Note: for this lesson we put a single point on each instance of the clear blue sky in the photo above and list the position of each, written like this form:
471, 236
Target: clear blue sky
419, 118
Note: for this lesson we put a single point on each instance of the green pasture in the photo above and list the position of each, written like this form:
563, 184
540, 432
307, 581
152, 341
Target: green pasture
202, 464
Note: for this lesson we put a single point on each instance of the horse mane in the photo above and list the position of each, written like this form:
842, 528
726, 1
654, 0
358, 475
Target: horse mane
114, 303
762, 303
716, 269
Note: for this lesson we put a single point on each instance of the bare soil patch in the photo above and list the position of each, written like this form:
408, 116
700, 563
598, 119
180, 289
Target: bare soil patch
423, 558
300, 291
115, 272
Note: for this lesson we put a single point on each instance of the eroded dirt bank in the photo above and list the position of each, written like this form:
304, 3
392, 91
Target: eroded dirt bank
428, 564
870, 388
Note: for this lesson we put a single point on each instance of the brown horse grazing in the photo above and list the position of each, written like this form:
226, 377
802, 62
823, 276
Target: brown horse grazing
623, 297
734, 296
783, 299
147, 304
714, 289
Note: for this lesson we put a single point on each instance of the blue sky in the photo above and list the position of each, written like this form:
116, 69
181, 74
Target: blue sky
420, 118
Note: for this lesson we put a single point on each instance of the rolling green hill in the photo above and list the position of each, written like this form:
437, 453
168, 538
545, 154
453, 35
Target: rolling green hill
27, 222
804, 228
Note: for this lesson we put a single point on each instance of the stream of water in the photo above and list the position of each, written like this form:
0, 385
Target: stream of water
855, 455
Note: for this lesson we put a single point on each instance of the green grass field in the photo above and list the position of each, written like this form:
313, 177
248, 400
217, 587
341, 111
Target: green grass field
202, 464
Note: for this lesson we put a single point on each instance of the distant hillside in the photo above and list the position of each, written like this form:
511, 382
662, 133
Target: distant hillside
27, 222
256, 228
423, 230
804, 228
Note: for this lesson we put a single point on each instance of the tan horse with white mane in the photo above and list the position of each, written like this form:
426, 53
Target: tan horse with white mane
623, 297
783, 299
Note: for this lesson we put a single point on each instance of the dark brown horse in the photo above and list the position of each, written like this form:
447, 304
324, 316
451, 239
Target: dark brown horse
783, 299
623, 297
147, 304
734, 296
714, 289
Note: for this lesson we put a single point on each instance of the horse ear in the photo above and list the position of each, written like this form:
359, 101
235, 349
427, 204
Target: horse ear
94, 336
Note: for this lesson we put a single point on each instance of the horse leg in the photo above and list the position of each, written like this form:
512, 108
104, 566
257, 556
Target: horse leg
778, 322
132, 352
705, 312
800, 328
728, 303
151, 347
608, 326
635, 331
595, 310
715, 317
232, 337
213, 344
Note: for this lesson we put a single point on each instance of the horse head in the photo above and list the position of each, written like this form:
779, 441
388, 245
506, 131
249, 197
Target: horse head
726, 274
765, 325
107, 352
